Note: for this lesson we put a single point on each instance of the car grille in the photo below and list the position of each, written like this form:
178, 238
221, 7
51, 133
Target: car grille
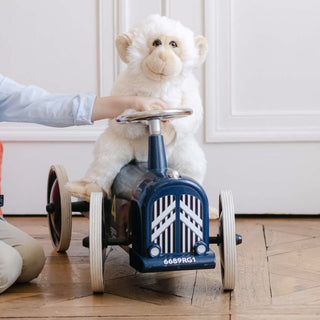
176, 227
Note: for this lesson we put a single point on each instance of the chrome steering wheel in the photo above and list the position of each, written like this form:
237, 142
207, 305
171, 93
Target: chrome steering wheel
162, 114
154, 117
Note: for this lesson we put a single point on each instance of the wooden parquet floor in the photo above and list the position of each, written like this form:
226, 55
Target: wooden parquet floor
278, 278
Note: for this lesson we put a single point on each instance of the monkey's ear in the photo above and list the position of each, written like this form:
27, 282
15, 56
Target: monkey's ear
123, 41
202, 45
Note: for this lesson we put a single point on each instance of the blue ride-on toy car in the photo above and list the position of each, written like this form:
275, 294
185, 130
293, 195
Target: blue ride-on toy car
158, 216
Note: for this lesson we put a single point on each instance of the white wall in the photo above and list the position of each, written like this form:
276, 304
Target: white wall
260, 87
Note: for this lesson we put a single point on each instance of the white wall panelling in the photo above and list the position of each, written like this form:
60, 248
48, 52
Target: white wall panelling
45, 43
263, 75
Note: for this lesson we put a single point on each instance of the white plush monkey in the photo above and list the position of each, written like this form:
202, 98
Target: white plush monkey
161, 55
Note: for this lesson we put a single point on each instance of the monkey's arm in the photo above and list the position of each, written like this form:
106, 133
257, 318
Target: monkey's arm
190, 99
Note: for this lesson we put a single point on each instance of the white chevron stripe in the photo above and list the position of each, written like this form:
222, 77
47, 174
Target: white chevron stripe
164, 226
163, 214
191, 213
187, 222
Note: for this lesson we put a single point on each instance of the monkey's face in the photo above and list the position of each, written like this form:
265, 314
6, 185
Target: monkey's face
161, 48
164, 57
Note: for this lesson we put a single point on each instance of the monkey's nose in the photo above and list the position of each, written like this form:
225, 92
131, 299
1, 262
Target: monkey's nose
163, 56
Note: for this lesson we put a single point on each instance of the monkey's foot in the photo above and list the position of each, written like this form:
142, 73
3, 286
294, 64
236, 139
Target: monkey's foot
213, 213
82, 189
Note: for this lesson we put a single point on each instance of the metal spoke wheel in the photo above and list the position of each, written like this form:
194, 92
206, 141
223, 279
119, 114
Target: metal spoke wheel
96, 242
228, 255
59, 208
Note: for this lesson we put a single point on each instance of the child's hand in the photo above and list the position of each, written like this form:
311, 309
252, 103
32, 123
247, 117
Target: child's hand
148, 103
113, 106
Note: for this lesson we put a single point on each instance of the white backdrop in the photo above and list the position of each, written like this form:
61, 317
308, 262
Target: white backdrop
260, 88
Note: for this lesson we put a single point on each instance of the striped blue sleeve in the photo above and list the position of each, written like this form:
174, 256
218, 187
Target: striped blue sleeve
20, 103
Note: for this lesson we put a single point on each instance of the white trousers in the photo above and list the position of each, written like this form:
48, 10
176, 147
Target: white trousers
21, 257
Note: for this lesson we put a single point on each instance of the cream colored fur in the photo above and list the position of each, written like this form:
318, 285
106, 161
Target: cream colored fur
164, 71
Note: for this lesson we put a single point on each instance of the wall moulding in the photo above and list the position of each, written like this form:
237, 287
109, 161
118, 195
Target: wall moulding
106, 26
233, 114
40, 133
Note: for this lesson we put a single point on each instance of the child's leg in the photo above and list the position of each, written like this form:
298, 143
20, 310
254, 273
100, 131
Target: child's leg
10, 266
30, 250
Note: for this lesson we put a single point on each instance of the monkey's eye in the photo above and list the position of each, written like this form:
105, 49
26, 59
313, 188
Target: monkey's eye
173, 44
157, 43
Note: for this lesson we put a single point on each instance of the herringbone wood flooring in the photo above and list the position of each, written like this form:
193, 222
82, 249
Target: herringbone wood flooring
278, 278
